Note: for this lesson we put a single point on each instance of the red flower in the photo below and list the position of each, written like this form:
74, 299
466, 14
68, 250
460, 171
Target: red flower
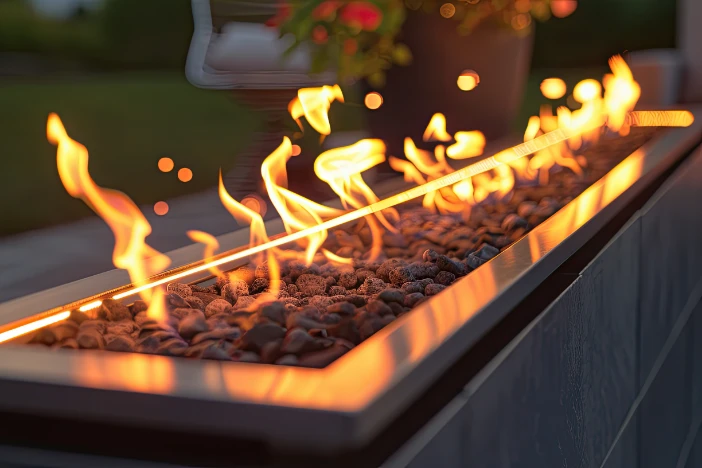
283, 13
326, 9
363, 15
320, 34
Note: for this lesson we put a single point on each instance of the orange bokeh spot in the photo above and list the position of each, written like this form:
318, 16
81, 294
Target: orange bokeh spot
373, 100
185, 175
468, 80
161, 208
553, 88
165, 164
563, 8
296, 150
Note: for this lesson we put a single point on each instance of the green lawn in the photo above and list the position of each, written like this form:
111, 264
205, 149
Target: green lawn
127, 123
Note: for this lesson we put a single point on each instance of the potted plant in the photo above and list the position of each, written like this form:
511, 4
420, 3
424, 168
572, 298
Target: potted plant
413, 52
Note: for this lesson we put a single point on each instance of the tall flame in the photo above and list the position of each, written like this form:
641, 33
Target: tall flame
296, 211
621, 94
124, 218
314, 104
341, 168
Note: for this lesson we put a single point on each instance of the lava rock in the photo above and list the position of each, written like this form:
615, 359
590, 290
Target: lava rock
422, 270
401, 275
447, 264
298, 341
392, 295
433, 289
355, 299
412, 299
113, 311
341, 308
337, 291
311, 285
260, 334
175, 301
275, 312
378, 308
195, 303
90, 338
206, 298
192, 324
445, 278
348, 280
322, 358
244, 301
183, 290
413, 287
513, 221
371, 286
138, 306
430, 255
120, 343
218, 306
258, 286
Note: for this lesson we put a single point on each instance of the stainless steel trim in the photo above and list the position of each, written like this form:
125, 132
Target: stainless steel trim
347, 403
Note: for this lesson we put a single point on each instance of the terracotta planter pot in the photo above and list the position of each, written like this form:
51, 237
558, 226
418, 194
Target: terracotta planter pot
414, 93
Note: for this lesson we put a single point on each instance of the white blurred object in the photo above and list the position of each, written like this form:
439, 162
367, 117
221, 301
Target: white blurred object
690, 42
658, 71
254, 47
63, 9
245, 55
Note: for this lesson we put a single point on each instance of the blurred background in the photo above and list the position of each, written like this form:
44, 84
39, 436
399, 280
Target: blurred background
114, 71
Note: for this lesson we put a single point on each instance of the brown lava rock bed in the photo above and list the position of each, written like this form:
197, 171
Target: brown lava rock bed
324, 310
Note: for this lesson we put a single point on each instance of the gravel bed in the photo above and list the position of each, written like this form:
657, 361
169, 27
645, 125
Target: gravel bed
324, 310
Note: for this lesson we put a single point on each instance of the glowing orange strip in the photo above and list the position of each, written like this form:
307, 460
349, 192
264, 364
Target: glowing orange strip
660, 118
30, 327
639, 118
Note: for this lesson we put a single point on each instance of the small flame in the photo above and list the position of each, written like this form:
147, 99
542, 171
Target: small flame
436, 130
314, 104
124, 218
468, 145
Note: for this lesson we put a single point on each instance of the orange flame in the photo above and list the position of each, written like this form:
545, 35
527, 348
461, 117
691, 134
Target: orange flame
436, 130
468, 145
124, 218
314, 104
341, 168
296, 211
621, 94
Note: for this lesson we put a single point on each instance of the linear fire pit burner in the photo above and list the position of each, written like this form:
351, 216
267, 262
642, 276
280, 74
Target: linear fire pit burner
344, 405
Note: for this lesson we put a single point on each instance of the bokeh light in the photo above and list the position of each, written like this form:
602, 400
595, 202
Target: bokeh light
563, 8
255, 203
447, 10
373, 100
161, 208
468, 80
553, 88
165, 164
587, 90
296, 150
185, 175
521, 21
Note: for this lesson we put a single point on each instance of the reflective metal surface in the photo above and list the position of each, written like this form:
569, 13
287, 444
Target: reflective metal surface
348, 402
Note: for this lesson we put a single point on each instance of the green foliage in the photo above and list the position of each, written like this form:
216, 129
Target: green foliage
359, 37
